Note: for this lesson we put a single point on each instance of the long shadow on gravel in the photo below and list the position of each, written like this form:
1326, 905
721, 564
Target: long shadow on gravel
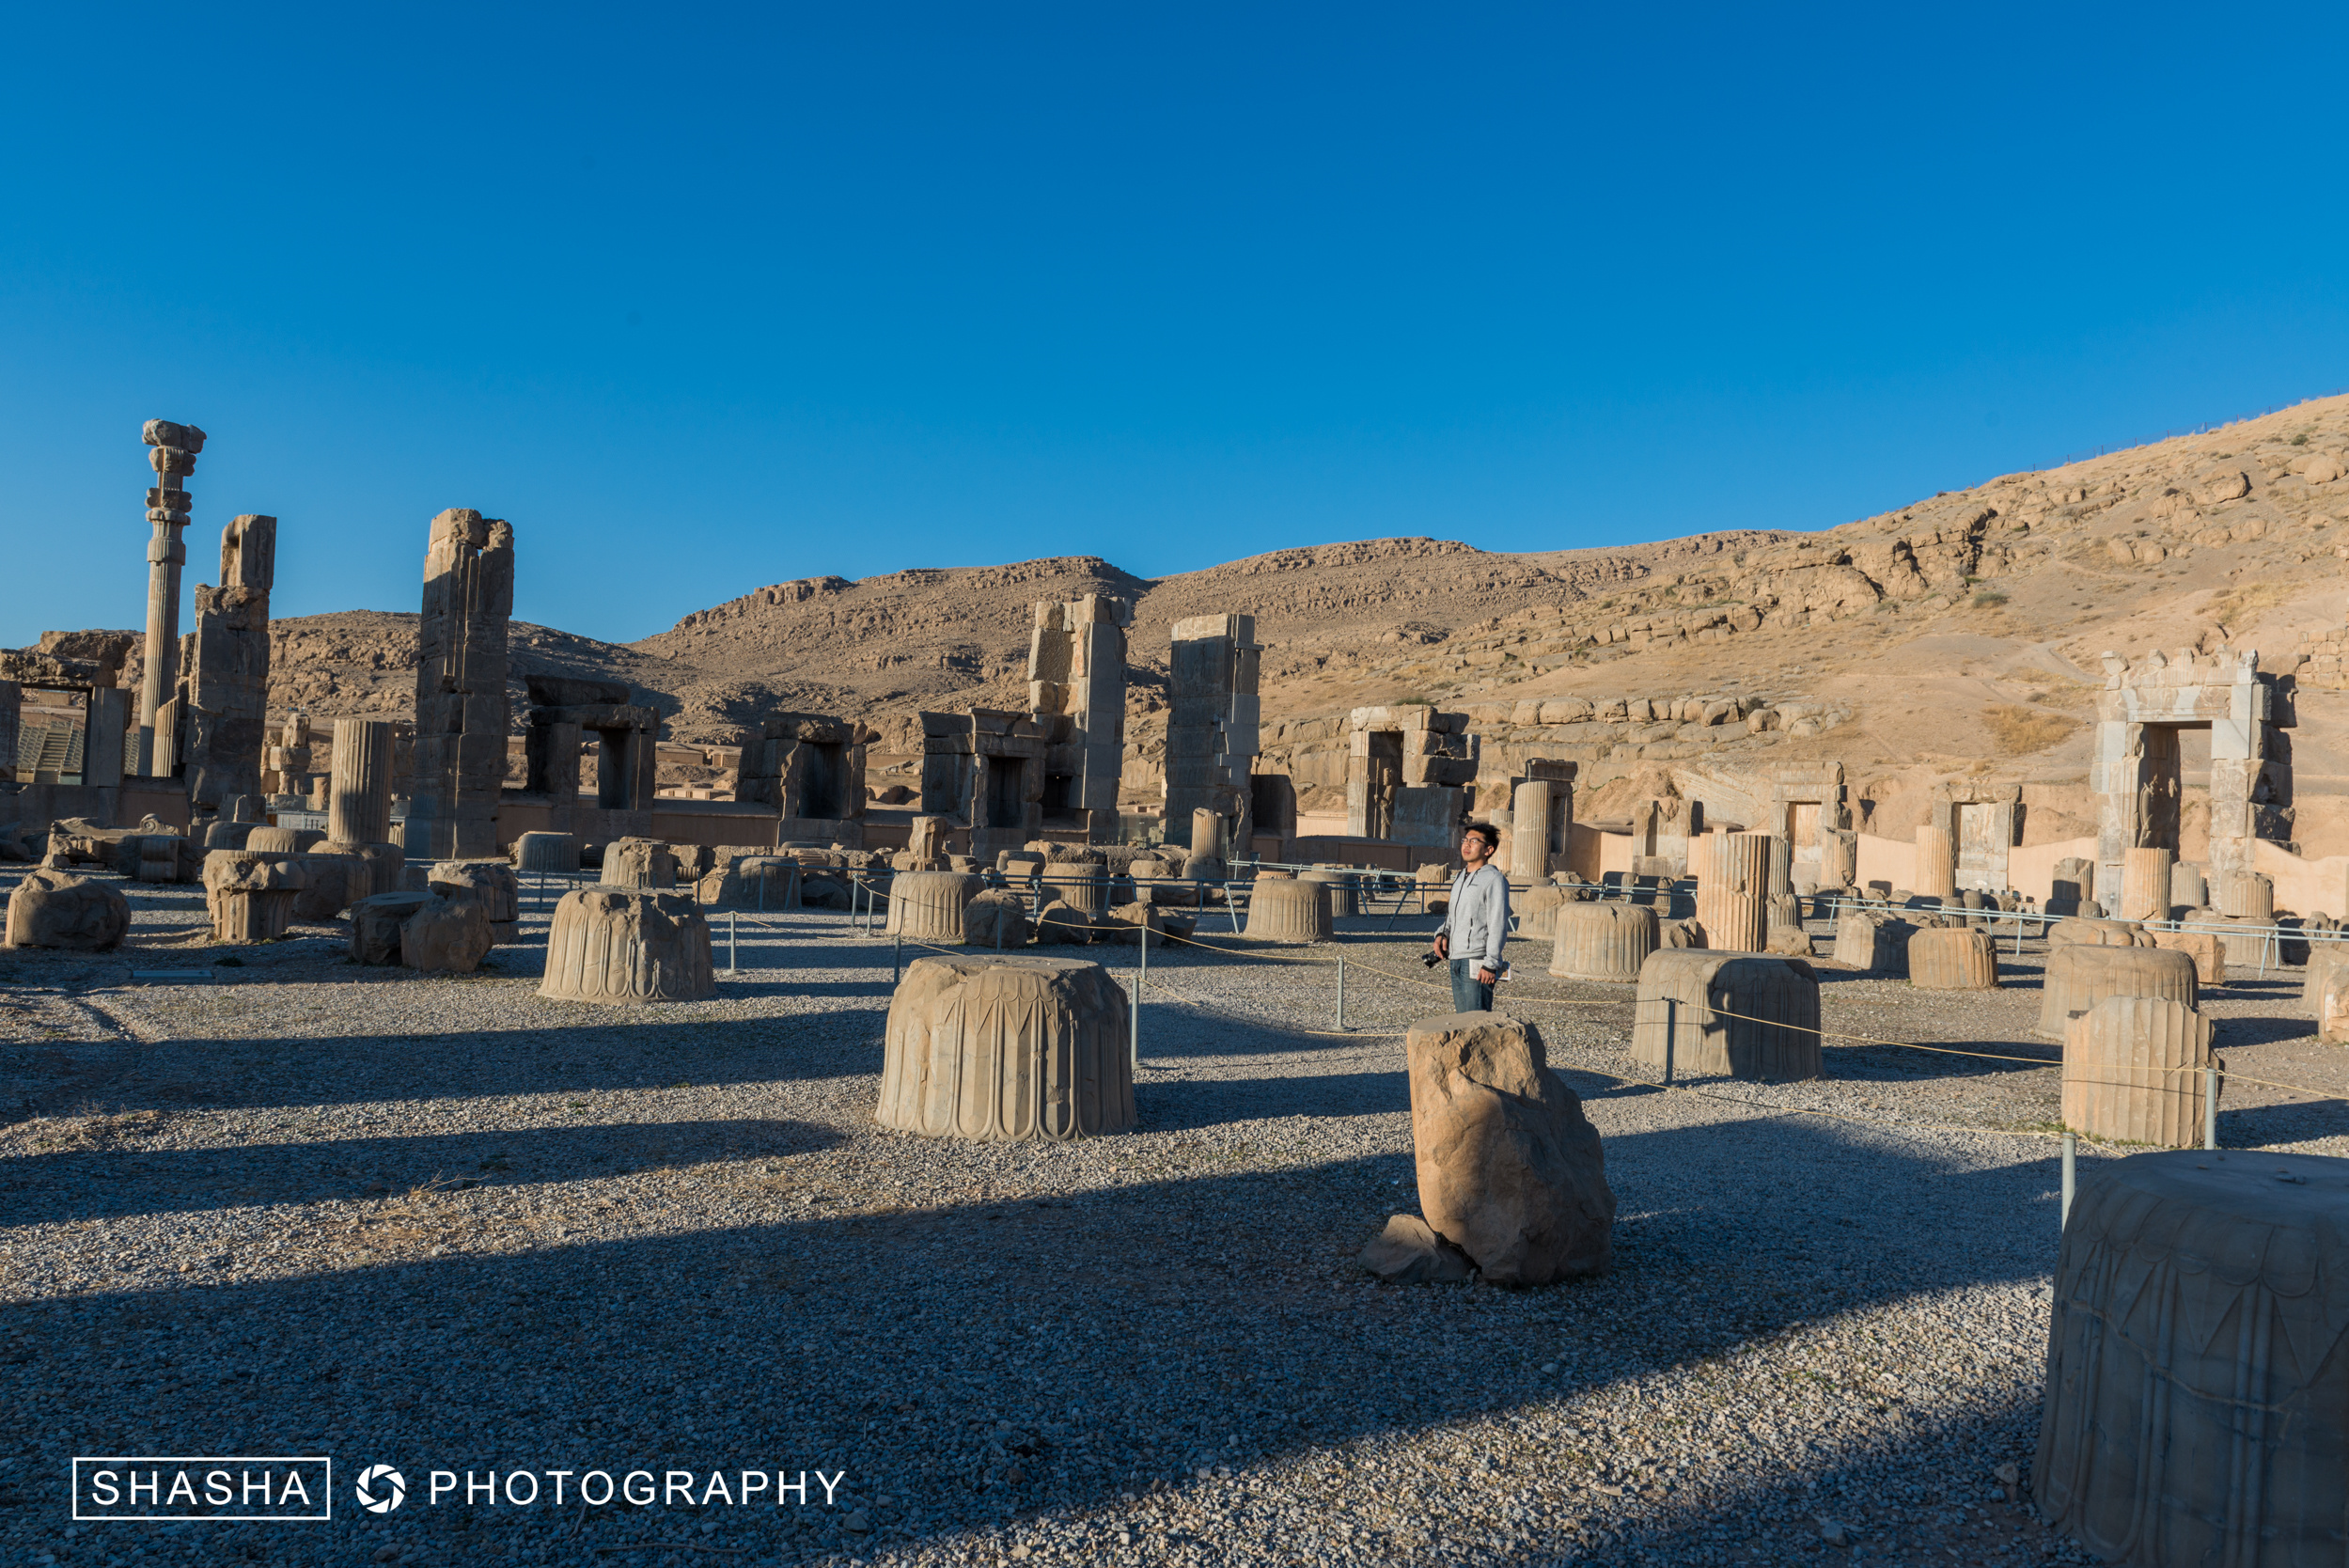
95, 1183
970, 1368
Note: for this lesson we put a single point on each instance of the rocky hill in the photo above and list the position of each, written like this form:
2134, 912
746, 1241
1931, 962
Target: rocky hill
1960, 634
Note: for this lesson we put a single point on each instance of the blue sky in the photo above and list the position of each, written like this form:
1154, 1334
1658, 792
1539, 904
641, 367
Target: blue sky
717, 297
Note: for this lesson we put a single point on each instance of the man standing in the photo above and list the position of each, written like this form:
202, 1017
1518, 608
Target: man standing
1480, 913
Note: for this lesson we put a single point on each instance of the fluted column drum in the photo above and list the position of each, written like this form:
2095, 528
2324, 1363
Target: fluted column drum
618, 945
927, 907
1536, 908
1339, 886
547, 854
1602, 941
1740, 1016
2079, 976
251, 895
1936, 864
639, 866
2145, 875
1952, 958
2196, 1400
1007, 1049
358, 787
1289, 911
1079, 884
2133, 1071
2247, 895
1876, 943
1732, 888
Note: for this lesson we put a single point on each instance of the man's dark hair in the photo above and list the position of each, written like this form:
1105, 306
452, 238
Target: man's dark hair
1490, 835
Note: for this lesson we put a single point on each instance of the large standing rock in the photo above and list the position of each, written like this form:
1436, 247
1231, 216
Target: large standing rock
1510, 1170
2080, 977
611, 945
375, 922
2197, 1407
1008, 1049
450, 935
1289, 911
1602, 941
1742, 1016
58, 909
250, 894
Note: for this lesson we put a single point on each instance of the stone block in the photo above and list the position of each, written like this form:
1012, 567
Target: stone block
753, 883
329, 885
995, 917
622, 945
2145, 877
251, 895
2208, 952
1877, 944
547, 854
2089, 932
1740, 1015
1062, 924
2197, 1405
2081, 976
1289, 911
2324, 958
1511, 1171
2246, 895
1954, 958
1344, 901
491, 883
449, 934
1015, 1048
1409, 1253
1602, 941
375, 922
59, 909
2133, 1071
639, 866
1537, 910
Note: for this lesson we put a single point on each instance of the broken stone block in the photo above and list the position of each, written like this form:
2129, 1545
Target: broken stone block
2204, 947
2096, 932
639, 865
251, 895
2145, 876
994, 918
1059, 923
1789, 942
1409, 1253
618, 945
59, 909
489, 882
1509, 1169
1536, 908
547, 854
451, 933
375, 922
329, 885
1010, 1048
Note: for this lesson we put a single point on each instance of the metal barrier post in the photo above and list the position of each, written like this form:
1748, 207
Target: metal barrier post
1341, 993
2071, 1153
2210, 1107
1231, 909
897, 959
1671, 1028
1141, 977
733, 943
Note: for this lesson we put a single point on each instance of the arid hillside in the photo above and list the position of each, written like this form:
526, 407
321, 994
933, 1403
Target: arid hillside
1960, 634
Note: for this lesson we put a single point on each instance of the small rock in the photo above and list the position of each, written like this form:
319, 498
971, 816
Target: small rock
1409, 1253
857, 1522
1548, 1368
1833, 1534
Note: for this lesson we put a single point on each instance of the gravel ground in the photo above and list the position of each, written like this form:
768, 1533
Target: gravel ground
440, 1224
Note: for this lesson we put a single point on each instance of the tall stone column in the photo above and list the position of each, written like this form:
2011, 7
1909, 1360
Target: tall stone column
461, 687
1530, 832
1732, 890
1936, 864
358, 801
168, 502
228, 679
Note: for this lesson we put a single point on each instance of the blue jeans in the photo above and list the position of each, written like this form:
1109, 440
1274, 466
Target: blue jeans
1469, 994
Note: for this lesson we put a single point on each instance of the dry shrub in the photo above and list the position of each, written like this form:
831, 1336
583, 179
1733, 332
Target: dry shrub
2019, 730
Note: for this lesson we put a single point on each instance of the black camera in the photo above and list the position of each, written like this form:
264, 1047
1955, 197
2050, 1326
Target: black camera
1430, 959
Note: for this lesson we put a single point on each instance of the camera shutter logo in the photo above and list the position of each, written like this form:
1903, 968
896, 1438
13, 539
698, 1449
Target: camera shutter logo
382, 1489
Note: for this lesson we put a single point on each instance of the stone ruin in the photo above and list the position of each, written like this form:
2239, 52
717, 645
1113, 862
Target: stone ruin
1541, 819
1212, 730
1983, 823
1006, 1050
1811, 807
565, 713
224, 693
2147, 704
1661, 832
1409, 772
461, 717
810, 767
985, 769
1077, 693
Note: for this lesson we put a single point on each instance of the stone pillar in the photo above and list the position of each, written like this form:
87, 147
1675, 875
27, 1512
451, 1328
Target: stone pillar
1530, 832
2145, 884
11, 726
1212, 720
461, 687
167, 501
101, 746
1733, 902
228, 681
1936, 875
358, 803
1782, 866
